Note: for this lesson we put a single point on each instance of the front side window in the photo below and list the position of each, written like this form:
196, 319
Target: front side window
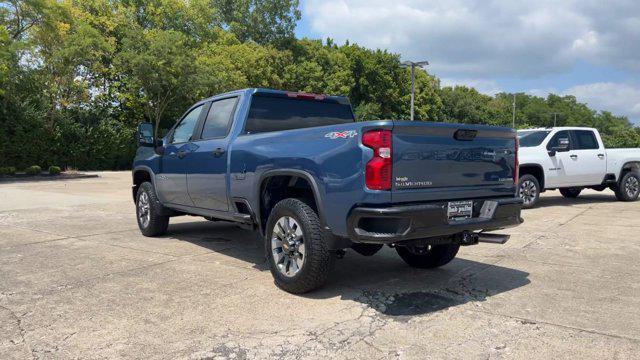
219, 118
183, 132
270, 113
555, 141
530, 138
585, 140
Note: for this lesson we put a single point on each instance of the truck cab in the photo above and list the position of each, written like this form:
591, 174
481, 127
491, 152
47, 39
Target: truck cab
571, 159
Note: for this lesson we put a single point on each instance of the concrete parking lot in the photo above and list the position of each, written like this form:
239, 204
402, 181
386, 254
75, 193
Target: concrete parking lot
77, 280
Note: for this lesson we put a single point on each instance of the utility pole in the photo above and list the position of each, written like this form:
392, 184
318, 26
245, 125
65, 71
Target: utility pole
413, 65
513, 120
555, 118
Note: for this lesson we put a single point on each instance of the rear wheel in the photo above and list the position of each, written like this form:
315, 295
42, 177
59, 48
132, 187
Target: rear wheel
629, 187
428, 256
571, 192
529, 190
296, 248
148, 212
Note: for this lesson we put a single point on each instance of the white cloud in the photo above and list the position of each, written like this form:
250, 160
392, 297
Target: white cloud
481, 39
619, 98
488, 87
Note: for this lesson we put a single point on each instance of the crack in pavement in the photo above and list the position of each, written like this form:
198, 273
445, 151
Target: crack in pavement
21, 329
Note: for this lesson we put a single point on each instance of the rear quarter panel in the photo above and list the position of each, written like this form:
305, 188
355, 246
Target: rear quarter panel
335, 163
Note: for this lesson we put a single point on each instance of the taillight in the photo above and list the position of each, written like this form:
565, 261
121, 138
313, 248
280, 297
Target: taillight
517, 164
378, 169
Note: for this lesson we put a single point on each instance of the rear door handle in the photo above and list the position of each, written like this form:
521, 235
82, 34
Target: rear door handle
573, 156
600, 156
218, 152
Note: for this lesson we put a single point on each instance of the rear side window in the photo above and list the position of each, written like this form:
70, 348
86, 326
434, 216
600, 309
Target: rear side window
585, 140
276, 114
219, 118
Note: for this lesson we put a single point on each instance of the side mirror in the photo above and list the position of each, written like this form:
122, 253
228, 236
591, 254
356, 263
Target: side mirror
562, 146
145, 135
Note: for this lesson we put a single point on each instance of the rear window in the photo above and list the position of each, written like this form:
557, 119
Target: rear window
585, 140
532, 138
276, 114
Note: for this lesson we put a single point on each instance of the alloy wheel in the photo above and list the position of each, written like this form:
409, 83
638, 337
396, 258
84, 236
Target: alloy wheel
144, 213
287, 246
528, 191
631, 186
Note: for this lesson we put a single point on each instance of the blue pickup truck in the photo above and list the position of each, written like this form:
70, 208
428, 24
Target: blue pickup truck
299, 169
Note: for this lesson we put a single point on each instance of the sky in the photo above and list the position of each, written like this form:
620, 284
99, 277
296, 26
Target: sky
587, 48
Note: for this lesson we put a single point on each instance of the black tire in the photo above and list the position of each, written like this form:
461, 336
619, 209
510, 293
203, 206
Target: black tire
318, 260
157, 223
428, 257
529, 190
570, 193
628, 188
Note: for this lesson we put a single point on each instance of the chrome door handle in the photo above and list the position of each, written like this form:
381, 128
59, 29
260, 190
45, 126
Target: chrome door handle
600, 156
573, 156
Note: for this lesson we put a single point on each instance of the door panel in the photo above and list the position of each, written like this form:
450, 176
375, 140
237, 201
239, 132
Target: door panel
171, 182
207, 168
563, 167
589, 155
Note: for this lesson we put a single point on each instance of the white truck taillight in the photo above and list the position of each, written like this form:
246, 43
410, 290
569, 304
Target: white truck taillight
378, 170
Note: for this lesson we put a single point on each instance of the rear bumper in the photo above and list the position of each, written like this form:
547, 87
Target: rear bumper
384, 225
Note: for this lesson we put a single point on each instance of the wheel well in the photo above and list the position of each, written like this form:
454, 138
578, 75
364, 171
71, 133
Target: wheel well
633, 166
139, 177
279, 187
535, 171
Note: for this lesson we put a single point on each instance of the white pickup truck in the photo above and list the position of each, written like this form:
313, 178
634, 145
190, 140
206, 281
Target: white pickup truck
571, 159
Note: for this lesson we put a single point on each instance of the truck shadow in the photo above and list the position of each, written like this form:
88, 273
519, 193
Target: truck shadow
382, 282
559, 200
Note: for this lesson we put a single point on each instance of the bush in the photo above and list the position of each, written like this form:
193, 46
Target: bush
33, 170
54, 170
7, 170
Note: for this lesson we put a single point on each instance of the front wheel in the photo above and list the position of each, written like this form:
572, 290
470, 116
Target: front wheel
428, 256
529, 190
296, 248
148, 212
570, 193
629, 187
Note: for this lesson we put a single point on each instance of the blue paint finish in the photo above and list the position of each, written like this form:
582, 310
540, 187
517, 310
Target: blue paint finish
422, 152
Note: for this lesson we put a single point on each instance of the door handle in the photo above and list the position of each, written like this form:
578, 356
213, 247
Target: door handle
218, 152
573, 156
600, 156
182, 154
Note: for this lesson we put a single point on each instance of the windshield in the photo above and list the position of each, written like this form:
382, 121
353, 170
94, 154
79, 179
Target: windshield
530, 138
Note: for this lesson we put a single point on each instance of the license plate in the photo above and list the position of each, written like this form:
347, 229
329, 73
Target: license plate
459, 210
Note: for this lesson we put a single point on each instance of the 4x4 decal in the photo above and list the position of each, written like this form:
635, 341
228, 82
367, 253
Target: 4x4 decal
341, 134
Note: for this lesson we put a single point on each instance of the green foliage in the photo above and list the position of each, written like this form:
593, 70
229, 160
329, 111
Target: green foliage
54, 170
76, 77
7, 170
33, 170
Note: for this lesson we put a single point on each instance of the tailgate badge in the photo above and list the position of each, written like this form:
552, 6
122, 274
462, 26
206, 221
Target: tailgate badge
341, 134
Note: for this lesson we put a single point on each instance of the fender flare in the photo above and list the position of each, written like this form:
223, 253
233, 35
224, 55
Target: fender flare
142, 168
315, 189
542, 185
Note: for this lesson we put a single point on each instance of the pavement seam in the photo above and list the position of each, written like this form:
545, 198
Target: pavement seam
595, 332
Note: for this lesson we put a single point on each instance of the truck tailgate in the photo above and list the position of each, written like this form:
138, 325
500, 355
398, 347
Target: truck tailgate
435, 161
